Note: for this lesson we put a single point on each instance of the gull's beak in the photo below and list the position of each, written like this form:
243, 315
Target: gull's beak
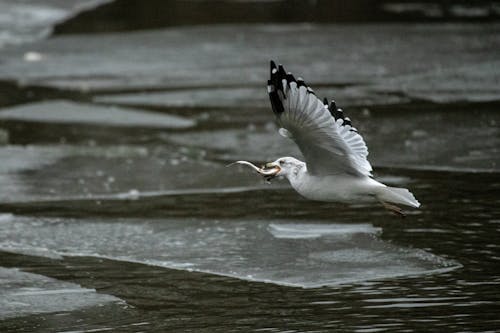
271, 170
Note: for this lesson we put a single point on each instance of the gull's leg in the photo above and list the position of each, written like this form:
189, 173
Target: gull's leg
393, 209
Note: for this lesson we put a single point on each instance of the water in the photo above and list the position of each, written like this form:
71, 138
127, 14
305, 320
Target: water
117, 212
113, 248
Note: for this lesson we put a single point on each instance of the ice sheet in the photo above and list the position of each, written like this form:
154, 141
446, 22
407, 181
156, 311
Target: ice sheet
468, 83
238, 98
297, 230
281, 251
381, 59
205, 98
34, 173
70, 112
29, 20
23, 293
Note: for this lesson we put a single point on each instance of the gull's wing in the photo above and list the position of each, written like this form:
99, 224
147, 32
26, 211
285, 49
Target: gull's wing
324, 135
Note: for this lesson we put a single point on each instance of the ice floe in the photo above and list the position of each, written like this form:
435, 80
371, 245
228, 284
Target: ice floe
23, 293
77, 113
285, 252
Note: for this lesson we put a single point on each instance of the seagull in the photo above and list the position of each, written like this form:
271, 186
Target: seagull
336, 168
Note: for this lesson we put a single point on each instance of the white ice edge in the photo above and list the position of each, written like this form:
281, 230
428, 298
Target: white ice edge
4, 217
290, 284
430, 167
54, 292
310, 230
279, 230
134, 194
28, 293
186, 267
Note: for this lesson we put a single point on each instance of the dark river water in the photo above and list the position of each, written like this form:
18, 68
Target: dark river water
118, 213
459, 222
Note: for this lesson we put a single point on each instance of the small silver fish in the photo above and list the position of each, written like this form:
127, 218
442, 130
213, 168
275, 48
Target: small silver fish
269, 172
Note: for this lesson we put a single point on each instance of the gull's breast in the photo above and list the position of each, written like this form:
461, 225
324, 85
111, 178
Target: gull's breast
342, 188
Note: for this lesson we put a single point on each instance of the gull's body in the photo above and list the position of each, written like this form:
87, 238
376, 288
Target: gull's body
341, 188
336, 168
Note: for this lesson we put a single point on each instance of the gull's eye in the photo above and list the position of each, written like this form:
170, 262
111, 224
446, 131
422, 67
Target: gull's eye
282, 162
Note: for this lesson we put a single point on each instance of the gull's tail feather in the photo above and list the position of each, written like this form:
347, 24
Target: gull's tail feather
397, 195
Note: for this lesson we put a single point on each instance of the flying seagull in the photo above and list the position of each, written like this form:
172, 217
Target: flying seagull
336, 168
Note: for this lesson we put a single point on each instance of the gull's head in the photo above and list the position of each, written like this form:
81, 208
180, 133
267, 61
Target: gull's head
288, 167
284, 166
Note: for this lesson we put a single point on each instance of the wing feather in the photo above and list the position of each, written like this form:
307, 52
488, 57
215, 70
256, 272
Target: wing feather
326, 138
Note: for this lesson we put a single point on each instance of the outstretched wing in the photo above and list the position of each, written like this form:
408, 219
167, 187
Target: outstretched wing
324, 135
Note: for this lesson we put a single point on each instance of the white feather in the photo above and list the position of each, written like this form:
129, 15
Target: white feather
309, 122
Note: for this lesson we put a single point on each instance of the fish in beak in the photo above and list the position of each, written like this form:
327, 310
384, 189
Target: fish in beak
269, 170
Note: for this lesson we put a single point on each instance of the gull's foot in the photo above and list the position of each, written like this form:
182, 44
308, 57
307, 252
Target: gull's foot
393, 209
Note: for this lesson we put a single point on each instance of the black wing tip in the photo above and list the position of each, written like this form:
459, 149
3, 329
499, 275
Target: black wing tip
274, 85
347, 121
333, 105
272, 65
278, 73
290, 77
301, 83
337, 113
281, 70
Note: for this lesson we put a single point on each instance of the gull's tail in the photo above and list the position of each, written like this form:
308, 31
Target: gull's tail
397, 195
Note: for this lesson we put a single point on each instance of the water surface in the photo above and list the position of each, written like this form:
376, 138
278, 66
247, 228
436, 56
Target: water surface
117, 212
